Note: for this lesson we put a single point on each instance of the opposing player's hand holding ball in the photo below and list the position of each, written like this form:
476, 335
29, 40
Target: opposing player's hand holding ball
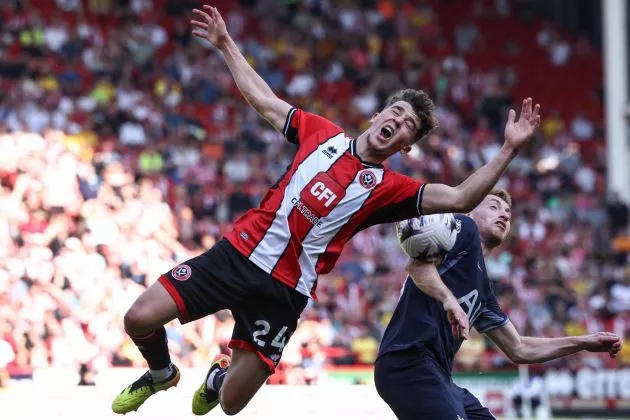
427, 240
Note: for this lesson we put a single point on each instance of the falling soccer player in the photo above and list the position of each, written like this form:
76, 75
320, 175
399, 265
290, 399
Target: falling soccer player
266, 269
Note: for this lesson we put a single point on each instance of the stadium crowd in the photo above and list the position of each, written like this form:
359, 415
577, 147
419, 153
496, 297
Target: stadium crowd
125, 148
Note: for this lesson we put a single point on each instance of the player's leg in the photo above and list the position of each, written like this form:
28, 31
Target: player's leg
474, 409
189, 291
233, 383
415, 387
246, 375
233, 388
144, 323
263, 327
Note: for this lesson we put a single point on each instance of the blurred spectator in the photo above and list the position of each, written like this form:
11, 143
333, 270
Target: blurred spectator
560, 52
69, 5
465, 37
6, 356
553, 124
618, 215
582, 128
86, 376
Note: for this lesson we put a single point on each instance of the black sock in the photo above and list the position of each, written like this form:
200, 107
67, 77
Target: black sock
217, 380
154, 348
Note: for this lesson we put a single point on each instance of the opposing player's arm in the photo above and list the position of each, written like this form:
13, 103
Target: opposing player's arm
439, 198
210, 26
427, 278
523, 350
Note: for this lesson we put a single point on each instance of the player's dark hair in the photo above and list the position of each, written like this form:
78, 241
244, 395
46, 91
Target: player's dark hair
503, 195
422, 105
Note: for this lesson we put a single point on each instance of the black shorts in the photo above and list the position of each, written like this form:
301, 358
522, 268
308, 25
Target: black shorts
416, 387
265, 310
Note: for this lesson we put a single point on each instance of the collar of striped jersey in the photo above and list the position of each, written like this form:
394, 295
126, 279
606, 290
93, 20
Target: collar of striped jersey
353, 152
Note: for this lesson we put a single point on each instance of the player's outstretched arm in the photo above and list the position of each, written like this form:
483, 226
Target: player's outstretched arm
523, 350
440, 198
426, 278
208, 24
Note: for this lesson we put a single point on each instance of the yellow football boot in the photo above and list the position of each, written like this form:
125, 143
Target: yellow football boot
205, 399
137, 393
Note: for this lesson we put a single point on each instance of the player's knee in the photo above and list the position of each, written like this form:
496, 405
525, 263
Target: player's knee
138, 320
231, 410
230, 403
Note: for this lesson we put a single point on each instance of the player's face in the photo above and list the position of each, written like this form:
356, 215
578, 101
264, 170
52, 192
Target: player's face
393, 130
493, 218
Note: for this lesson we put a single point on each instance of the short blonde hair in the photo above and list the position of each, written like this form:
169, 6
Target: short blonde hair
503, 195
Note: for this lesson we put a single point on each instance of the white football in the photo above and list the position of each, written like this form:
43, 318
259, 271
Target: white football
428, 238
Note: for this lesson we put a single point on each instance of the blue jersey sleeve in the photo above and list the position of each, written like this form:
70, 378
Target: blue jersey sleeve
491, 316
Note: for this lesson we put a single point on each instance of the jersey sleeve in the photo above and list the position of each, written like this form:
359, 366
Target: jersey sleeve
490, 317
467, 238
303, 127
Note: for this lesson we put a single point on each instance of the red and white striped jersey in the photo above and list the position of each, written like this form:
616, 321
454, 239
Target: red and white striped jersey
326, 196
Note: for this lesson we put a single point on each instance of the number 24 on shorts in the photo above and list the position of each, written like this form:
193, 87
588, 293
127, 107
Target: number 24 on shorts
279, 340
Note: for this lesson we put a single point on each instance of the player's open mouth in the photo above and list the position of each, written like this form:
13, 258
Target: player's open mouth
387, 132
502, 225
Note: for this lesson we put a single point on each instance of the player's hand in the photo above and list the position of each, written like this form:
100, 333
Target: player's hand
519, 132
458, 319
603, 342
208, 24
